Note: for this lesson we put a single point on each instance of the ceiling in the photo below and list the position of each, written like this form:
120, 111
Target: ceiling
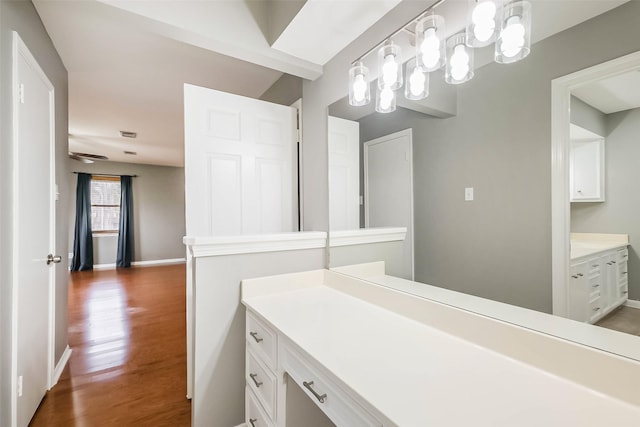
128, 60
612, 94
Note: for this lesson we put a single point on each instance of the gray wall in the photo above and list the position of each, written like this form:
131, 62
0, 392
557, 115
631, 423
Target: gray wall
286, 90
499, 246
587, 117
620, 211
21, 16
158, 218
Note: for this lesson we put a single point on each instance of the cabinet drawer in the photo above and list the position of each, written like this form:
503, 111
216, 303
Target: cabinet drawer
255, 415
262, 382
622, 255
262, 339
595, 309
337, 405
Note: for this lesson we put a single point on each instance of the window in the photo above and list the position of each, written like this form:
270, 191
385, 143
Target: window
105, 204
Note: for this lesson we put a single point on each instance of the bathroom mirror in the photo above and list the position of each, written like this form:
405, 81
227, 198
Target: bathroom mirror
488, 196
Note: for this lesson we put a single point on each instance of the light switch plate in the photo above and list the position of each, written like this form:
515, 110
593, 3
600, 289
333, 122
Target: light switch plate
468, 194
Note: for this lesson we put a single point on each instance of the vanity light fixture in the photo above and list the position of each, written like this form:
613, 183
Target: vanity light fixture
359, 87
389, 66
430, 42
385, 100
459, 60
514, 42
417, 86
507, 23
483, 22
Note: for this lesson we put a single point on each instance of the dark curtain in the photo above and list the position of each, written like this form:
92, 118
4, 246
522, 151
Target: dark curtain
82, 237
125, 233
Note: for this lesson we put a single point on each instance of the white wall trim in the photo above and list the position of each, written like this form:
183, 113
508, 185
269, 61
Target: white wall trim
170, 261
64, 359
363, 236
632, 303
560, 206
245, 244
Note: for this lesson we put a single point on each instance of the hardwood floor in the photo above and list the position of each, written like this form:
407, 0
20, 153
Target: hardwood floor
128, 366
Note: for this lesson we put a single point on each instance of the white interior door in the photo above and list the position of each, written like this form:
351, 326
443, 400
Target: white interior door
388, 198
344, 174
240, 165
34, 234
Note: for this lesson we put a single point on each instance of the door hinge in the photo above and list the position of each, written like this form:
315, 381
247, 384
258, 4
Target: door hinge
20, 386
21, 93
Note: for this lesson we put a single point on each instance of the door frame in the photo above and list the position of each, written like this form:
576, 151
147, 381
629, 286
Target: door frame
560, 157
19, 48
408, 133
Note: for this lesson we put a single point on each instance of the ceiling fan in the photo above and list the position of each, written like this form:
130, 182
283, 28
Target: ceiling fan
86, 158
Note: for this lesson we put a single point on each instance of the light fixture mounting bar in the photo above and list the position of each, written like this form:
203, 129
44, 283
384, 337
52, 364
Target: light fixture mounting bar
399, 30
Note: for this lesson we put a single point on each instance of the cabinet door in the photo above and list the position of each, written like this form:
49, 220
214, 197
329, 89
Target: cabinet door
587, 171
579, 292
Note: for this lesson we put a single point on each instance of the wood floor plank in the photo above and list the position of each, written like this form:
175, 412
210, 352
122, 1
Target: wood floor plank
127, 331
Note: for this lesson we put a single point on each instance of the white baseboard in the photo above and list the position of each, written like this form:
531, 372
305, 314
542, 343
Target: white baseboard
632, 303
64, 359
170, 261
242, 425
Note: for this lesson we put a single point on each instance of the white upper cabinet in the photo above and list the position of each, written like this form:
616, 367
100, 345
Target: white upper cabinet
587, 166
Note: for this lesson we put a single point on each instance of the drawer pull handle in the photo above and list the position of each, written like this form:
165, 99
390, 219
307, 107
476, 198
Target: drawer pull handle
596, 309
256, 382
252, 421
320, 397
574, 276
625, 292
595, 265
624, 272
255, 336
613, 262
580, 274
596, 285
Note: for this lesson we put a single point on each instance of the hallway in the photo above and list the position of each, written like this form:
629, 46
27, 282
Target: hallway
128, 367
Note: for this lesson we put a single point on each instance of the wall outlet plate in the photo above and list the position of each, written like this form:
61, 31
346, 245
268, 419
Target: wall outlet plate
468, 194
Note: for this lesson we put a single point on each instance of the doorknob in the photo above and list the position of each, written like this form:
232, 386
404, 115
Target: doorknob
53, 259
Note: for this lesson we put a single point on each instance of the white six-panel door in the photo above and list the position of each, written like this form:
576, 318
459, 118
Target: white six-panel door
240, 165
34, 234
344, 174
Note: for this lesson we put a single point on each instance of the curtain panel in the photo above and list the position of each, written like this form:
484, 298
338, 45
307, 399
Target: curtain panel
125, 232
82, 236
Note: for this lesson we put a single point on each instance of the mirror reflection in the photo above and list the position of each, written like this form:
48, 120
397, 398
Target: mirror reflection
467, 171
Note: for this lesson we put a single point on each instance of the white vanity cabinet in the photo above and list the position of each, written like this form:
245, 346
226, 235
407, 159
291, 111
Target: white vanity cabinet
270, 361
598, 284
587, 171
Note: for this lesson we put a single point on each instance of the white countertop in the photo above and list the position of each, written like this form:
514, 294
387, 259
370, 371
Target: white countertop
588, 244
417, 375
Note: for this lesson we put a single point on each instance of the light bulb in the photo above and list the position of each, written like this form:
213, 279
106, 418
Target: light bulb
459, 62
483, 18
386, 96
359, 88
430, 48
390, 70
512, 37
416, 82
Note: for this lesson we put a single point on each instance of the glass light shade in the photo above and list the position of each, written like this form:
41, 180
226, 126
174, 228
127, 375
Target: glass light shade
459, 60
483, 22
389, 66
514, 41
416, 82
430, 43
385, 100
359, 87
